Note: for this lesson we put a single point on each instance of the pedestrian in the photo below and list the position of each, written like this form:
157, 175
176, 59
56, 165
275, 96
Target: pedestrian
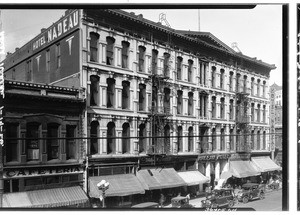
188, 197
162, 200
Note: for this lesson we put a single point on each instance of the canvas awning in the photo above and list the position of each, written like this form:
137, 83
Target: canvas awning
160, 178
119, 185
240, 169
50, 198
193, 178
265, 164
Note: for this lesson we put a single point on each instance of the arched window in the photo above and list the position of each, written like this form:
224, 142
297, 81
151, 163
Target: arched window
190, 139
166, 64
222, 73
142, 97
142, 51
222, 140
154, 61
213, 76
125, 94
111, 135
190, 103
179, 68
110, 92
110, 50
126, 138
94, 90
190, 70
167, 100
94, 47
179, 139
214, 139
94, 137
166, 147
142, 138
125, 53
179, 101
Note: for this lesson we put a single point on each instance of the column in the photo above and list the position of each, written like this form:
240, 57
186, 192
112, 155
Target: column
227, 138
118, 141
103, 140
209, 140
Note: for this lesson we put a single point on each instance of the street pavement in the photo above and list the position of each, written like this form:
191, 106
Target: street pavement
271, 202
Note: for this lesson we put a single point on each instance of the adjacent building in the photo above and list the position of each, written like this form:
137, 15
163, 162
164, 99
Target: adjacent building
165, 110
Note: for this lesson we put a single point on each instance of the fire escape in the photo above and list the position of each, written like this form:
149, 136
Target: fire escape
159, 113
242, 118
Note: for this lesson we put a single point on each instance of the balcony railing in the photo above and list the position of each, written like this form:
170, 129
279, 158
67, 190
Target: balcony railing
160, 110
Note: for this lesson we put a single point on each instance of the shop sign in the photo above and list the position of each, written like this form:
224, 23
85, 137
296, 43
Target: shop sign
1, 103
30, 172
58, 29
213, 157
240, 157
155, 159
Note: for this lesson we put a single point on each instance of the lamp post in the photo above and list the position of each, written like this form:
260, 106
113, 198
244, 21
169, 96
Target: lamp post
103, 186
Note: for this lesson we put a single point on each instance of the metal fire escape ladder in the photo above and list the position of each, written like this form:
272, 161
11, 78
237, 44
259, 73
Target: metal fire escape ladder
242, 119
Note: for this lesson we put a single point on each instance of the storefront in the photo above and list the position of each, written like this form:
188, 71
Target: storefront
124, 190
44, 186
194, 180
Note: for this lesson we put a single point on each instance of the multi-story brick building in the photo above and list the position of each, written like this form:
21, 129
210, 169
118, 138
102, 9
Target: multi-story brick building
143, 81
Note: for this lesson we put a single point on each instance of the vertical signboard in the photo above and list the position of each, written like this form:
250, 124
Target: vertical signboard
272, 122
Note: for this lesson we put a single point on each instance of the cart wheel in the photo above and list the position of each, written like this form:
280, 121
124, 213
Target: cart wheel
245, 200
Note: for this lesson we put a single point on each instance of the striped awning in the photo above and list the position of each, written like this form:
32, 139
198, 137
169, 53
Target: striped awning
265, 164
193, 178
119, 185
160, 178
50, 198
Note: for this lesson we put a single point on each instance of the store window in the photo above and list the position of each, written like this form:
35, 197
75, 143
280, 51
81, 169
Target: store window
70, 142
32, 141
53, 141
94, 47
11, 145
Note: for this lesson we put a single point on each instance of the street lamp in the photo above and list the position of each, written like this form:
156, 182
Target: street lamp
103, 186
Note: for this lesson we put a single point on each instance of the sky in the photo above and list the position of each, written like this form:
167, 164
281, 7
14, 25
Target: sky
257, 32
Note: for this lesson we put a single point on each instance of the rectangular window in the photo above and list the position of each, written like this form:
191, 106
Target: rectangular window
58, 59
48, 60
166, 64
110, 50
222, 109
213, 107
231, 81
154, 61
70, 142
12, 147
32, 141
190, 103
222, 78
29, 71
53, 142
190, 70
94, 47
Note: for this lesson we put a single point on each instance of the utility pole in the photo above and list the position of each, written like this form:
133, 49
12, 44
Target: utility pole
1, 111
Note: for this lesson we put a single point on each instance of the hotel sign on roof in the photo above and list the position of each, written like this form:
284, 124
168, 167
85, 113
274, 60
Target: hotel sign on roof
57, 30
